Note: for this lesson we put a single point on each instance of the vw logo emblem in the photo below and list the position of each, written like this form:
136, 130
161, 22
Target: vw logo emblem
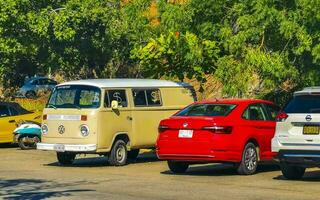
61, 129
185, 125
308, 118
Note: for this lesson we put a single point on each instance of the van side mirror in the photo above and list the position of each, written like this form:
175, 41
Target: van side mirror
114, 105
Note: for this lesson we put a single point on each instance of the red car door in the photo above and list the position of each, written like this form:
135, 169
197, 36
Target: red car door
260, 128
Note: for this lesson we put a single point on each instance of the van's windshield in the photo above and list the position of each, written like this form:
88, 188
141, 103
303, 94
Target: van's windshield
75, 96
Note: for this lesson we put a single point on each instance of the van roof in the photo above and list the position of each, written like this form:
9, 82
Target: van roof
125, 83
308, 90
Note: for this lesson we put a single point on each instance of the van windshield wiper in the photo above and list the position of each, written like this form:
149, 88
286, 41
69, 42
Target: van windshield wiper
51, 106
68, 105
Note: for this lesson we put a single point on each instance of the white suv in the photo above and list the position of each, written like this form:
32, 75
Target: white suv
297, 138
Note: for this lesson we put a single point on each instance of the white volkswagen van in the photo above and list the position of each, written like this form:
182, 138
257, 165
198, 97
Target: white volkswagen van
112, 117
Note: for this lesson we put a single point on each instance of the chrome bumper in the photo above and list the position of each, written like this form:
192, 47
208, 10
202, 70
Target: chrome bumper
67, 147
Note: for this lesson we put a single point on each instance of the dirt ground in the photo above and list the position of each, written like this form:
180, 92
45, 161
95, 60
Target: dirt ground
36, 175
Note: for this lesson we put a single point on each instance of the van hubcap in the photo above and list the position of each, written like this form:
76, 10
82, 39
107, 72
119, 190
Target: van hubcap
121, 153
250, 158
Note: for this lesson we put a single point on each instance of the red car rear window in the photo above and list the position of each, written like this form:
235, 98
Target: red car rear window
207, 110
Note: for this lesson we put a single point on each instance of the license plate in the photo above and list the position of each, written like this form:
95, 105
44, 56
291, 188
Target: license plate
311, 130
59, 147
185, 133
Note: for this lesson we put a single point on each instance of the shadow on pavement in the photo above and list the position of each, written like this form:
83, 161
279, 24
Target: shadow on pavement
29, 189
103, 161
310, 176
8, 145
220, 170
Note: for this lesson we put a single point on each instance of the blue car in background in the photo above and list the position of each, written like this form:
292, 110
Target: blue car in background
33, 85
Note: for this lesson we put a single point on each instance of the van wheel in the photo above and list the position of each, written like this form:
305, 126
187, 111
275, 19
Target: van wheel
26, 146
178, 167
292, 172
118, 155
249, 162
66, 158
133, 154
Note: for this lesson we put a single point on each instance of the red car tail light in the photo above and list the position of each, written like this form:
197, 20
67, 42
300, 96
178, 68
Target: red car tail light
219, 129
282, 116
162, 128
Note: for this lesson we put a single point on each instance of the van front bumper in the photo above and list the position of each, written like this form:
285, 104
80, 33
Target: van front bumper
67, 147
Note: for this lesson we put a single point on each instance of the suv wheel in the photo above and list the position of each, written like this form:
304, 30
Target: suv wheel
292, 172
65, 158
118, 155
249, 162
178, 167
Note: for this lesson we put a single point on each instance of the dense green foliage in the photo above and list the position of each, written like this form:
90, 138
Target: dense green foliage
263, 48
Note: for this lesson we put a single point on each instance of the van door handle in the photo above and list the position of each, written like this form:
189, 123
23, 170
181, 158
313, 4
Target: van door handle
129, 118
12, 121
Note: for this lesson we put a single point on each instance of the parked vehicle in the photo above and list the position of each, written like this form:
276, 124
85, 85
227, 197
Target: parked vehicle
297, 138
235, 131
32, 86
27, 134
113, 117
10, 115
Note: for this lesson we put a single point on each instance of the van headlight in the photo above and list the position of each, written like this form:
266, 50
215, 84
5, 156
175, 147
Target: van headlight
44, 129
84, 130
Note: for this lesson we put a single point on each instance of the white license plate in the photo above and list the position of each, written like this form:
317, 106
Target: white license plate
185, 133
59, 147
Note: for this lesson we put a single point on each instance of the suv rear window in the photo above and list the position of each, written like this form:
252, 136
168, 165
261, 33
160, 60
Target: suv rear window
304, 104
207, 110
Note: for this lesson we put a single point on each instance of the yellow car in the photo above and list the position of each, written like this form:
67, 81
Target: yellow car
10, 115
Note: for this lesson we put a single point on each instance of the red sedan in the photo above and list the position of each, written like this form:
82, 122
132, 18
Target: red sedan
228, 130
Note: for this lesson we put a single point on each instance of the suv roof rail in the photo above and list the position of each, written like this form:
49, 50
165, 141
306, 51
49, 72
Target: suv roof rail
310, 88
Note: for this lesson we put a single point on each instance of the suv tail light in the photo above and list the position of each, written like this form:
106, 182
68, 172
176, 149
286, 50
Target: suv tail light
219, 129
282, 116
162, 128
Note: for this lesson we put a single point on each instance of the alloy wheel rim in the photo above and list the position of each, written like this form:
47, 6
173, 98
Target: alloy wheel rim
120, 153
250, 158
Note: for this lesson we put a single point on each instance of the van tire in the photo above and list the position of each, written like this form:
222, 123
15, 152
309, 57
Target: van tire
65, 158
178, 167
133, 154
25, 146
249, 161
292, 172
119, 154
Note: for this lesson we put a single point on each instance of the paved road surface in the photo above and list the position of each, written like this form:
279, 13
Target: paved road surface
36, 175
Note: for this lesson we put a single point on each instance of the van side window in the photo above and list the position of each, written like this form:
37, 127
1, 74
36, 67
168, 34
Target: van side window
118, 95
148, 97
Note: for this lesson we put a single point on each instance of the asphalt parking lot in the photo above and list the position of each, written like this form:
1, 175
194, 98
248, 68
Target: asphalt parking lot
36, 175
